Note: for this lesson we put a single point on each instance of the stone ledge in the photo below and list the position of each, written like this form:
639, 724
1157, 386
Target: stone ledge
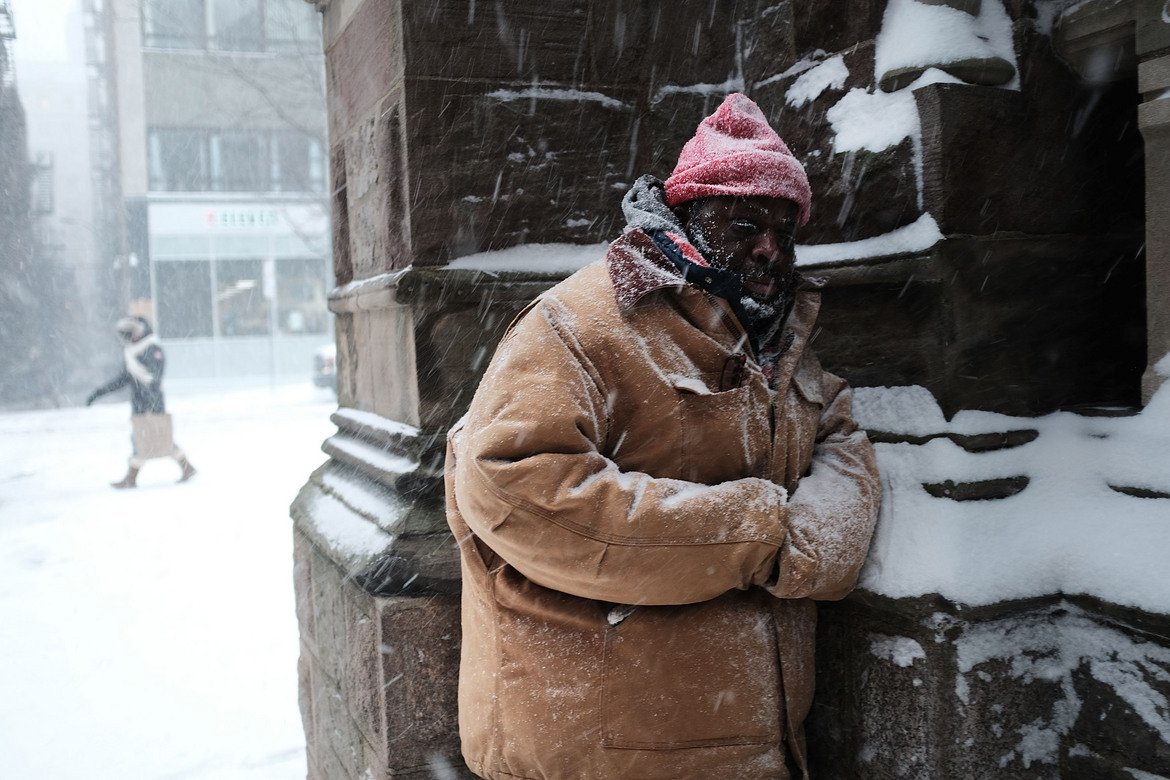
416, 285
408, 551
1020, 689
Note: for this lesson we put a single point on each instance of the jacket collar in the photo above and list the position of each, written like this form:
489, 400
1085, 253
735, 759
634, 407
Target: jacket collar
637, 267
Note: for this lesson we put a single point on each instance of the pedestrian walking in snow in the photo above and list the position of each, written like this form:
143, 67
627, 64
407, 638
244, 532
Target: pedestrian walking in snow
151, 436
654, 482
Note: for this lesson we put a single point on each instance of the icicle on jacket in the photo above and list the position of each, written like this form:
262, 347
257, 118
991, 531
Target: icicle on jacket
643, 524
144, 362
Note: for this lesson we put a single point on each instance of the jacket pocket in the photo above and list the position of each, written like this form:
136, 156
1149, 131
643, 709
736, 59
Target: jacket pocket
696, 675
724, 434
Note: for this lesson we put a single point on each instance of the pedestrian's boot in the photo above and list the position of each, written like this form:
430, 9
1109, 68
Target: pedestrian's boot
128, 481
188, 470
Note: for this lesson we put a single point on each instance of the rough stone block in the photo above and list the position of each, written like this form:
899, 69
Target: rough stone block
385, 378
583, 44
303, 554
1044, 688
965, 323
420, 671
305, 699
905, 333
338, 744
364, 64
361, 682
823, 26
767, 40
494, 171
347, 360
328, 619
455, 348
856, 194
1153, 33
1116, 719
374, 198
339, 217
995, 160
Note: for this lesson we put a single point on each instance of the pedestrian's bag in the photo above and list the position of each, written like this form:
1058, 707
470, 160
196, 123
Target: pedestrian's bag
153, 436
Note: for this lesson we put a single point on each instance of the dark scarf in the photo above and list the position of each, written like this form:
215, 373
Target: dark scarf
645, 209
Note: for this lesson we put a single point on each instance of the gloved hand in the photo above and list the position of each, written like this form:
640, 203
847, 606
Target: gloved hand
90, 399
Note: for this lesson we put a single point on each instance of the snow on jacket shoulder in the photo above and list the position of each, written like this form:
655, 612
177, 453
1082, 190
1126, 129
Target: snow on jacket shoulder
631, 497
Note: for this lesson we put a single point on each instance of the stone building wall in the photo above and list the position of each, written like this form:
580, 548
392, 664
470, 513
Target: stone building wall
459, 127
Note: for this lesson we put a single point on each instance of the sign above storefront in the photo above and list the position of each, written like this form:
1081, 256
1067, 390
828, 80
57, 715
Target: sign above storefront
301, 219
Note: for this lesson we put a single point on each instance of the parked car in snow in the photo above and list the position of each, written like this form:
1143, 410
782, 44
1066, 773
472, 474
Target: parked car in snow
325, 367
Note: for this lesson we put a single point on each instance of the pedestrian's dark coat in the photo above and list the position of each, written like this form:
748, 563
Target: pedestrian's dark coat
143, 365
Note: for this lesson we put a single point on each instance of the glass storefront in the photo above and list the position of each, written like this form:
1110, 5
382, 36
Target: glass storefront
240, 289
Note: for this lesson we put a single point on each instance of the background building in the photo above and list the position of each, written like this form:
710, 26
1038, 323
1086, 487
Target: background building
219, 156
41, 356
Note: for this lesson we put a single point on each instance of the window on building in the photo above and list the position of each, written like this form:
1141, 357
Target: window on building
231, 25
301, 295
173, 24
239, 298
239, 162
291, 25
178, 160
183, 290
298, 164
236, 25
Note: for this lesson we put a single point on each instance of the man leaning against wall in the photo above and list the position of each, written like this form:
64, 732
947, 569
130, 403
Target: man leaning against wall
654, 482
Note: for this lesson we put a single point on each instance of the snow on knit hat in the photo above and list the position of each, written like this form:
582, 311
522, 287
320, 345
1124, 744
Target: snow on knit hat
736, 152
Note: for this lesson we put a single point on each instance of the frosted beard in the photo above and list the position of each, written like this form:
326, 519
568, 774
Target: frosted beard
764, 318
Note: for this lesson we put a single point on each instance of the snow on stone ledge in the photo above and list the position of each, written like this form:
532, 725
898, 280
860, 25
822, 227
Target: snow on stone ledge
376, 422
532, 258
830, 74
549, 93
914, 34
910, 410
346, 531
1069, 531
899, 650
918, 236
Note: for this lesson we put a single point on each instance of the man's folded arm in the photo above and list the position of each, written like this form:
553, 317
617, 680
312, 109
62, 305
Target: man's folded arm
532, 482
831, 514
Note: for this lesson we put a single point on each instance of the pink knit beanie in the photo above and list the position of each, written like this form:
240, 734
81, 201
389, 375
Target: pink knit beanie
736, 152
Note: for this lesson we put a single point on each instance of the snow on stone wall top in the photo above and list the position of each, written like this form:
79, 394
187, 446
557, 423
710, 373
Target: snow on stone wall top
918, 236
915, 34
1068, 531
532, 258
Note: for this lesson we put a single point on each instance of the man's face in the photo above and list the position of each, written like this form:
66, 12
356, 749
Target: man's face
752, 237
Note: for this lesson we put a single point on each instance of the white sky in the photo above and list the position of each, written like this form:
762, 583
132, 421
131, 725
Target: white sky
42, 30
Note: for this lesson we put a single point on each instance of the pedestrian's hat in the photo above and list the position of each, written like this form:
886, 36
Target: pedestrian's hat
736, 152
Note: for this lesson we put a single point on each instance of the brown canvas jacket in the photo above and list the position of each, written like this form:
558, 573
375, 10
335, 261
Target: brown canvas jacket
644, 523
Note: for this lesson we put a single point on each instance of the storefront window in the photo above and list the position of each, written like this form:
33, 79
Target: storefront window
301, 289
184, 299
239, 298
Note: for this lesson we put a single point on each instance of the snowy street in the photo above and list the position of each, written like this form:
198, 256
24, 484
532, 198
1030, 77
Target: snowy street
151, 633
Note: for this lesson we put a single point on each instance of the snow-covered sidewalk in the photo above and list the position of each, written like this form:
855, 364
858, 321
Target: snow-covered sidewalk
151, 633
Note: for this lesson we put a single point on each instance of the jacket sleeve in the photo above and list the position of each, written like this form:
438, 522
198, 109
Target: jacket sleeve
532, 483
117, 383
831, 514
